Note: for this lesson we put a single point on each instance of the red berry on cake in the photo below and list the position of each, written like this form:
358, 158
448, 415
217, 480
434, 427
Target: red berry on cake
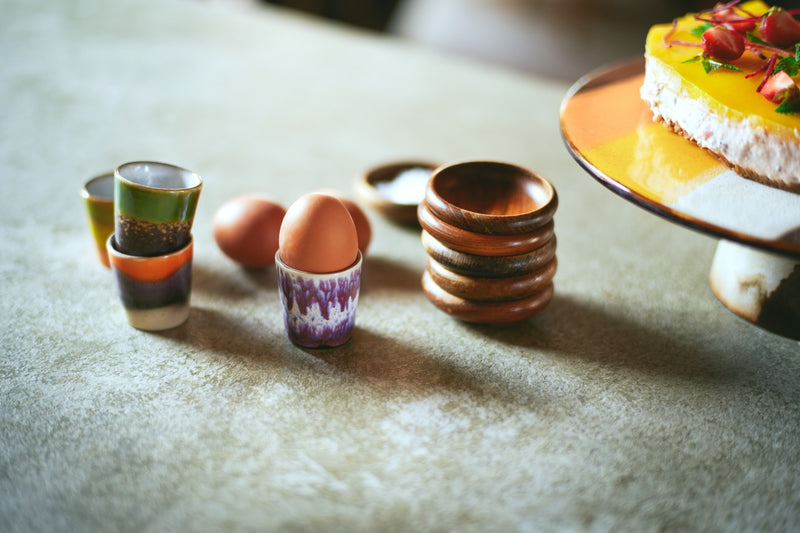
780, 28
722, 43
779, 88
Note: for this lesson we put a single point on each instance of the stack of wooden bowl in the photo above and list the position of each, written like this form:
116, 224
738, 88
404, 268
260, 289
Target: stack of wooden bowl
487, 228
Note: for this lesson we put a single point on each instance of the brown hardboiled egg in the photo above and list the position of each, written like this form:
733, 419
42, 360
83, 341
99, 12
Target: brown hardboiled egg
318, 235
246, 229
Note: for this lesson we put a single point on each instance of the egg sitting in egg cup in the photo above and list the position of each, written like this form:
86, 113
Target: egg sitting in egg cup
319, 271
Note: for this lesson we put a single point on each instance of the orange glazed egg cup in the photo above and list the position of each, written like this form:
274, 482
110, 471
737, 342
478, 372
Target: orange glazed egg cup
154, 290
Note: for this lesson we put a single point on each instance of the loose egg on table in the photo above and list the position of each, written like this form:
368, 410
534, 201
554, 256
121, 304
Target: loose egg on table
318, 235
247, 228
363, 227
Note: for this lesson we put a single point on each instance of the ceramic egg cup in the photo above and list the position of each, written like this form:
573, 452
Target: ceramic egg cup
154, 207
98, 199
151, 249
154, 290
319, 310
489, 235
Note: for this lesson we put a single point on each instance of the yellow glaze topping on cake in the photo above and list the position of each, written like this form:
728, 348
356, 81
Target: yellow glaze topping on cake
726, 92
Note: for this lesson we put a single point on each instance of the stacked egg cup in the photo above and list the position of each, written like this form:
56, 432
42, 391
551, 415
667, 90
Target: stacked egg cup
488, 231
151, 250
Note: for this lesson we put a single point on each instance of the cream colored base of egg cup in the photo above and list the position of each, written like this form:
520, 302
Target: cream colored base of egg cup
158, 319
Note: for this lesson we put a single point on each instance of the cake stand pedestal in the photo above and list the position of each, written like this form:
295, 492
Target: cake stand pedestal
756, 268
761, 287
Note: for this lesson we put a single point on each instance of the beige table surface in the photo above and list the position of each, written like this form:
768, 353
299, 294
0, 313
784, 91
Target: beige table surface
635, 401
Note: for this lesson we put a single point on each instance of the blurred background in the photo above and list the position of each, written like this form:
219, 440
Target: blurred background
558, 39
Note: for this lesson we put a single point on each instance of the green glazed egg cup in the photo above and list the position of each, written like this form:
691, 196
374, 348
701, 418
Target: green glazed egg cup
154, 207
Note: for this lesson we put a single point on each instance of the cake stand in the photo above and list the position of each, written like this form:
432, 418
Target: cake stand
755, 271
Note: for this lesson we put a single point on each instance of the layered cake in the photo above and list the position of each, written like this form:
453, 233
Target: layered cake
727, 79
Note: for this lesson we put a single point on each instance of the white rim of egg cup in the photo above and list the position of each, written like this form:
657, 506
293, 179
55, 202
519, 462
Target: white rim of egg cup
319, 275
157, 176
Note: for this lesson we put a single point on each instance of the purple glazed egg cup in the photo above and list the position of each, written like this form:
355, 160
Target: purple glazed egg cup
318, 309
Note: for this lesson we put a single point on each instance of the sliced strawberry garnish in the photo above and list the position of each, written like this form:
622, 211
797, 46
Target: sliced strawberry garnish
780, 28
722, 43
779, 88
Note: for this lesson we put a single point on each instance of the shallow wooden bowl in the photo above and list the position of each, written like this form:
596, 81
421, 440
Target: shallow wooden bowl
480, 243
486, 312
491, 197
492, 289
377, 188
484, 266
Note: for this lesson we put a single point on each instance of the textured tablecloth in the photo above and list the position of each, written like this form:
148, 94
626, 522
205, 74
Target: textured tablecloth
635, 401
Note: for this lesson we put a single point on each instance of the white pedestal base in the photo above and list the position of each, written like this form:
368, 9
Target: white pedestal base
761, 287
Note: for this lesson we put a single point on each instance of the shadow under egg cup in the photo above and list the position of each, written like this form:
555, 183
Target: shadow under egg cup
154, 207
154, 290
98, 198
319, 310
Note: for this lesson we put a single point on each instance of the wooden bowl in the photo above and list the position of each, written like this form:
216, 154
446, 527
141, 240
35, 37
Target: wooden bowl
491, 197
488, 266
392, 191
480, 243
486, 312
492, 289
